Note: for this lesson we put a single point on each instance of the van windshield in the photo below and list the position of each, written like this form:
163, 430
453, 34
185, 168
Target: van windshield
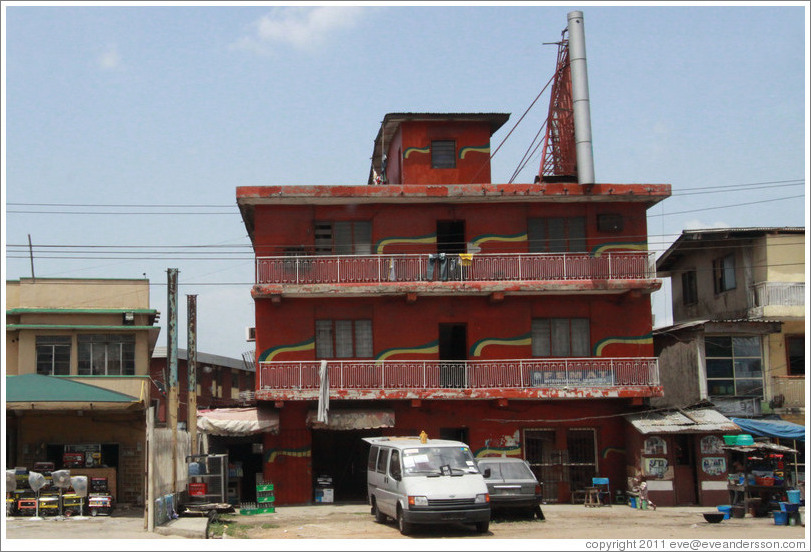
438, 461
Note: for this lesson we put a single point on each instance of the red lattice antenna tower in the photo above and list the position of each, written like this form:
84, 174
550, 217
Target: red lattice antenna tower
559, 161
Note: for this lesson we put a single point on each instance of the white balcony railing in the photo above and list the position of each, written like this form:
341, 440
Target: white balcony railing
356, 269
784, 294
788, 391
478, 374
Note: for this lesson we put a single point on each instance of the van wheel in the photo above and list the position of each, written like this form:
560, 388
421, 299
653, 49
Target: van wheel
402, 524
380, 517
482, 526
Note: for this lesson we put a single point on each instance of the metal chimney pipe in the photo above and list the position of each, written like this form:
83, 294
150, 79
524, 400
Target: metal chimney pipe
580, 98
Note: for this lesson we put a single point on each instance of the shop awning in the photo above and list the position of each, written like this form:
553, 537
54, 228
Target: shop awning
771, 428
704, 420
38, 392
237, 422
352, 419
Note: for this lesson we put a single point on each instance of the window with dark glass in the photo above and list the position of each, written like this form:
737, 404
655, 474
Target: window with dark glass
343, 238
689, 288
556, 234
723, 273
734, 366
106, 354
53, 355
560, 337
343, 338
443, 154
795, 350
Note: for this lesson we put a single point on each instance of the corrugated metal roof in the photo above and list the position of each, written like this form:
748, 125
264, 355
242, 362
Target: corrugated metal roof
33, 388
696, 323
704, 420
204, 358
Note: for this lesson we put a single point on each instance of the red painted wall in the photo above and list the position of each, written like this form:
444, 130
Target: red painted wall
280, 227
416, 168
288, 461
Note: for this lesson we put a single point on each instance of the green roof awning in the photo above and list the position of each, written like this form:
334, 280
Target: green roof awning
35, 388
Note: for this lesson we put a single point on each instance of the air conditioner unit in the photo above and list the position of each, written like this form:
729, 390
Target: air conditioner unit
250, 333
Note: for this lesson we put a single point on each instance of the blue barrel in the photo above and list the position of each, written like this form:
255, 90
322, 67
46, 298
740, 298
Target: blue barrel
793, 496
780, 518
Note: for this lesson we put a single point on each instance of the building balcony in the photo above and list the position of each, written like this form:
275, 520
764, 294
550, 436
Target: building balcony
614, 272
788, 392
564, 378
777, 299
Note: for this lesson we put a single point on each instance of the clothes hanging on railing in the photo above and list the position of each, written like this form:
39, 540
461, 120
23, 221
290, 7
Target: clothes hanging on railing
442, 270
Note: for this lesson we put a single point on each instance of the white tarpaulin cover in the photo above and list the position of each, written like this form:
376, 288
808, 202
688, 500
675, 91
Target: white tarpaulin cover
237, 422
352, 419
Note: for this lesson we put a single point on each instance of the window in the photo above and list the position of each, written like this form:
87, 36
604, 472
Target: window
734, 366
372, 464
560, 337
443, 154
610, 222
106, 355
556, 235
53, 355
343, 338
394, 464
795, 350
382, 460
723, 273
689, 288
343, 238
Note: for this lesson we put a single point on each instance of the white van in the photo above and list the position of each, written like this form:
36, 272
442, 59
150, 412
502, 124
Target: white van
425, 481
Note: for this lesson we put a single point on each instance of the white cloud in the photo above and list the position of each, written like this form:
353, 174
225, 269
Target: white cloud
109, 59
301, 28
697, 224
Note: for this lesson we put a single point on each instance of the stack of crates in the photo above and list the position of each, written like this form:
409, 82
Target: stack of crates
264, 501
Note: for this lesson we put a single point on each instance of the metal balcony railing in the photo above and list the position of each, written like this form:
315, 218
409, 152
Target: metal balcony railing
356, 269
470, 374
788, 391
784, 294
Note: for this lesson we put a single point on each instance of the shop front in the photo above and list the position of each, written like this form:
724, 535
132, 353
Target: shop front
680, 456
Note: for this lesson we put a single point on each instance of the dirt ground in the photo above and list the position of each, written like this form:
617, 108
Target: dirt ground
564, 521
354, 521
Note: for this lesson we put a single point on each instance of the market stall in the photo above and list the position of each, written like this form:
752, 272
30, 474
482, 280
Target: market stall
757, 480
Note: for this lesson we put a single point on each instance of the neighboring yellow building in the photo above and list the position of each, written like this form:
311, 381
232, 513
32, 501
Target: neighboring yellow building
744, 286
77, 376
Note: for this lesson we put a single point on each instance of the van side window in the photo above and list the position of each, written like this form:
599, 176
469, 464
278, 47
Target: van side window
394, 465
373, 458
382, 460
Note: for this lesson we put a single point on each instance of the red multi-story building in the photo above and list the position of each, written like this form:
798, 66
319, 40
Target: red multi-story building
514, 317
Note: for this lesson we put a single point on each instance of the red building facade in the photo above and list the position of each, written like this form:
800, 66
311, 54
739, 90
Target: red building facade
514, 317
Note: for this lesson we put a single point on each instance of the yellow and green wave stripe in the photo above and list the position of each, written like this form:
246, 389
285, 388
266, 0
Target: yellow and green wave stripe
479, 149
478, 240
272, 454
427, 349
409, 151
430, 238
626, 246
646, 339
269, 354
607, 451
521, 340
512, 452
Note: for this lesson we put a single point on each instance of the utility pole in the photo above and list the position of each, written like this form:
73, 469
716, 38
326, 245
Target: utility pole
191, 364
171, 360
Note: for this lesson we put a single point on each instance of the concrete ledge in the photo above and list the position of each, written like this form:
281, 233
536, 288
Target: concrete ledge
187, 527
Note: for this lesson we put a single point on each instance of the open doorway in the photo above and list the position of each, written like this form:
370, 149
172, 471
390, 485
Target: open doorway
450, 236
685, 470
341, 457
452, 354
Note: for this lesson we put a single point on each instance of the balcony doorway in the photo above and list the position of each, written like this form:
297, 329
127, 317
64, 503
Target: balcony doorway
450, 236
452, 354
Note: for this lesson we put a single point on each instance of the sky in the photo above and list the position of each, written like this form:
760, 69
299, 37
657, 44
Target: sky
127, 127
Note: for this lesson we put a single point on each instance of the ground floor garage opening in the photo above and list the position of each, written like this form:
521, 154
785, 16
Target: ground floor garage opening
339, 459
